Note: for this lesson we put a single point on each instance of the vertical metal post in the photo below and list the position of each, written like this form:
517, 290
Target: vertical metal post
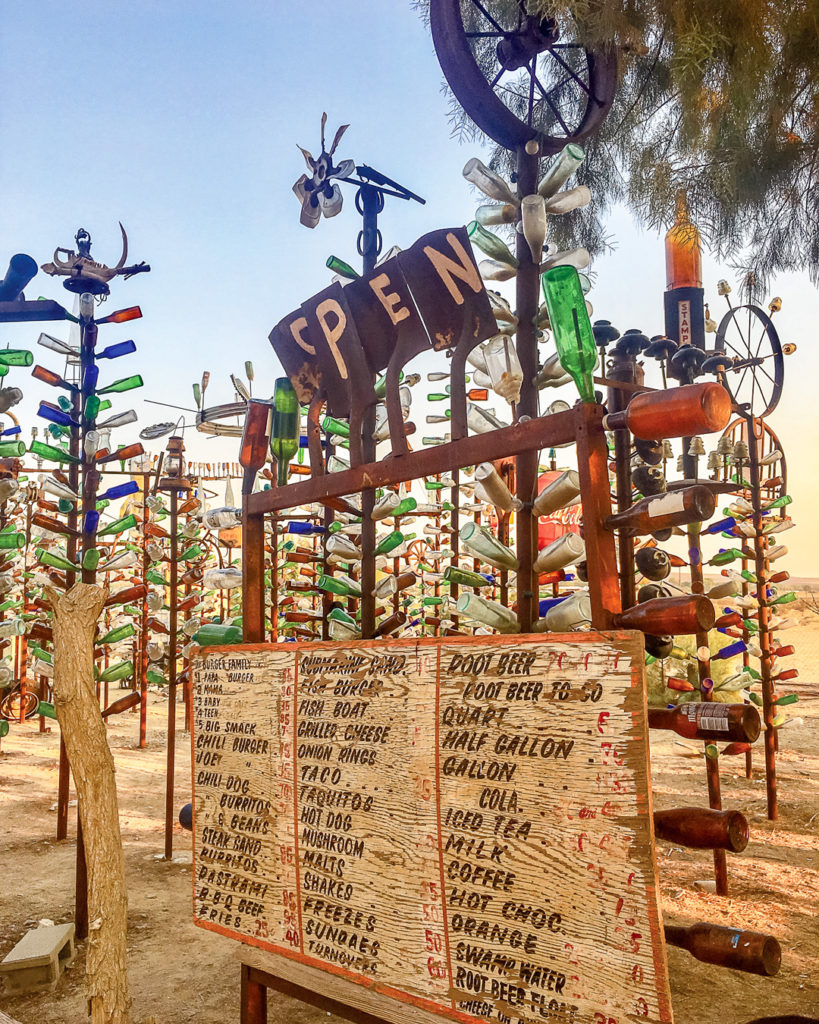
760, 549
142, 647
252, 575
369, 245
527, 284
172, 624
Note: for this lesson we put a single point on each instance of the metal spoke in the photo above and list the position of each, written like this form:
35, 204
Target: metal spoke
532, 80
573, 74
553, 108
487, 15
497, 78
488, 35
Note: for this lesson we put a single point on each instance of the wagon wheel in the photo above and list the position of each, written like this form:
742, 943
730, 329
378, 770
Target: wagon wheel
754, 380
520, 76
769, 452
10, 705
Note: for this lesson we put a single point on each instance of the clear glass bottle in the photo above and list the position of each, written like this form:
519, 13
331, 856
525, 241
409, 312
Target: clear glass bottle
479, 540
472, 606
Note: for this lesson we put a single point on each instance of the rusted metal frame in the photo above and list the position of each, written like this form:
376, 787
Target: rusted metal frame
624, 370
764, 613
253, 571
142, 646
601, 560
531, 435
704, 670
253, 998
172, 627
583, 424
527, 286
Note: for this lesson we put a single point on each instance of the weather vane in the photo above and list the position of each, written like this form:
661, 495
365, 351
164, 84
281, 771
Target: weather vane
86, 275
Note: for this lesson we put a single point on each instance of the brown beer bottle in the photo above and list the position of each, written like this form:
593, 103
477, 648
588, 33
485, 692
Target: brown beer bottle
702, 829
672, 616
192, 575
52, 525
709, 721
156, 625
678, 412
751, 952
125, 703
662, 511
391, 624
128, 596
653, 563
40, 631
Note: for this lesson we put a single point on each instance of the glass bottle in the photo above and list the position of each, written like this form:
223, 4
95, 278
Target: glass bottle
661, 511
119, 525
480, 420
683, 259
533, 224
709, 721
751, 952
389, 543
119, 670
482, 543
284, 436
677, 412
490, 244
222, 579
561, 169
560, 493
496, 213
562, 552
700, 828
54, 560
12, 539
571, 199
571, 327
683, 614
121, 386
494, 487
212, 633
44, 451
504, 368
472, 606
113, 636
341, 268
455, 576
490, 183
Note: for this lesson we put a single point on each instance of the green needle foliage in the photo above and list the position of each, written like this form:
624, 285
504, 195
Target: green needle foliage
718, 99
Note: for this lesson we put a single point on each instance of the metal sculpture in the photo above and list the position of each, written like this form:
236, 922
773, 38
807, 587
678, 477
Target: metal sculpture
85, 274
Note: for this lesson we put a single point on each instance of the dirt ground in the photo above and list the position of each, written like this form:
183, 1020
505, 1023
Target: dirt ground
181, 973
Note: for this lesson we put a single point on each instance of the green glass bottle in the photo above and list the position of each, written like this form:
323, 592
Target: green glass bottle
389, 543
90, 558
341, 268
54, 560
156, 578
51, 453
16, 357
335, 585
464, 577
12, 449
725, 557
119, 525
784, 598
339, 615
120, 386
12, 540
284, 436
786, 499
155, 678
46, 709
210, 634
113, 636
571, 327
437, 396
335, 426
490, 244
194, 551
404, 507
120, 670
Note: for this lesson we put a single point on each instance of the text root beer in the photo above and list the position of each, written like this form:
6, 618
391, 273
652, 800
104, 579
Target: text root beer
461, 826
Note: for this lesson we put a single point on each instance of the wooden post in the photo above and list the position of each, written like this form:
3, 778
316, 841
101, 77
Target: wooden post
83, 730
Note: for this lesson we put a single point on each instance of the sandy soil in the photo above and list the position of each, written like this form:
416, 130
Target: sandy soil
181, 973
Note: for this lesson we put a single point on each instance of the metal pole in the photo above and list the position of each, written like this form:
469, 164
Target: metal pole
527, 284
371, 203
169, 770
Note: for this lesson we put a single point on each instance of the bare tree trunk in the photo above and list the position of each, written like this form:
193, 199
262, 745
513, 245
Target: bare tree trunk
83, 730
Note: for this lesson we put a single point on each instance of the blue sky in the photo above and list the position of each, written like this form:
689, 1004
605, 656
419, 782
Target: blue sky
182, 120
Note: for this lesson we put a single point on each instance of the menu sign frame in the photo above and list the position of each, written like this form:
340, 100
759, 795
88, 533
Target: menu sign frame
460, 826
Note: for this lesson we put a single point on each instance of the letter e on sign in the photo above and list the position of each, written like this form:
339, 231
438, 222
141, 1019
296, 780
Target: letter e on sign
389, 300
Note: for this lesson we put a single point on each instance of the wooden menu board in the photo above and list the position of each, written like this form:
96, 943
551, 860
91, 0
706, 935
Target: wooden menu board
459, 825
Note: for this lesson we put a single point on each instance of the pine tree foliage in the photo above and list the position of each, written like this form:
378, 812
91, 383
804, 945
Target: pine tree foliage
720, 99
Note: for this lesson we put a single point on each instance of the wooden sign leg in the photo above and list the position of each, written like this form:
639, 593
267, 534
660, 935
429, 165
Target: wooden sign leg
253, 998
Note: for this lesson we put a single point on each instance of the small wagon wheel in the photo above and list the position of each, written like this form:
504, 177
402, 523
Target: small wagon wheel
747, 336
520, 76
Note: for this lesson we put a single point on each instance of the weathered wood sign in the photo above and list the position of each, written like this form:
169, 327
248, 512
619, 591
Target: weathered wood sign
462, 827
